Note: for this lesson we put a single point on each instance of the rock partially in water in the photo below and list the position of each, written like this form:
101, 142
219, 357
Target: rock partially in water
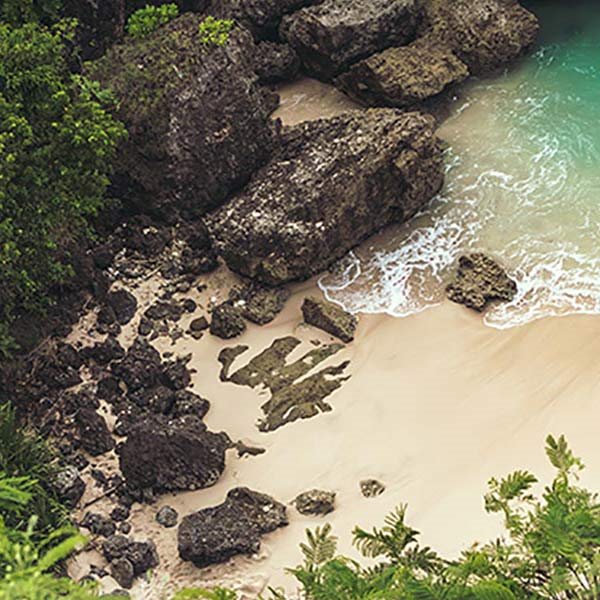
166, 454
227, 321
333, 183
198, 122
486, 35
213, 535
315, 502
404, 77
480, 280
330, 318
333, 34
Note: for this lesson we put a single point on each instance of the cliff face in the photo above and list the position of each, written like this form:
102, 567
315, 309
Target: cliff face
333, 183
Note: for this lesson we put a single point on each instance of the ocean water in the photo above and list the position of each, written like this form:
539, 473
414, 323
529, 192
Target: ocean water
523, 185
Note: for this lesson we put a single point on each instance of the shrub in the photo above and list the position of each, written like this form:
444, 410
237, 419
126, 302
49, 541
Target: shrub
146, 20
57, 143
18, 12
215, 32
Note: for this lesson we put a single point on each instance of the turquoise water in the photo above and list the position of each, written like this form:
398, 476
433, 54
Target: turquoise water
523, 185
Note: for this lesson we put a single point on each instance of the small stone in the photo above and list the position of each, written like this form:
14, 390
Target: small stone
199, 324
227, 321
371, 488
125, 527
329, 318
69, 486
122, 571
98, 524
145, 327
189, 305
124, 305
315, 502
119, 513
167, 517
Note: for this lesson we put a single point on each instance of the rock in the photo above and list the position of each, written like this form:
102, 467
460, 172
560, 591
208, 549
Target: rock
69, 486
103, 256
315, 502
189, 305
129, 559
486, 35
371, 488
213, 535
176, 375
403, 77
98, 524
121, 570
172, 454
333, 183
93, 433
334, 34
198, 122
330, 318
227, 321
167, 517
119, 513
164, 310
200, 324
105, 352
140, 368
274, 63
123, 304
188, 403
479, 280
259, 304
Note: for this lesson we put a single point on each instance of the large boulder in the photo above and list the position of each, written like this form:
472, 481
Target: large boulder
332, 35
333, 183
198, 121
486, 35
165, 454
213, 535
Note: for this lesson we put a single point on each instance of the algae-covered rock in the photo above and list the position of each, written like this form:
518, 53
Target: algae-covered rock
213, 535
198, 122
330, 318
315, 502
404, 77
333, 183
333, 34
480, 280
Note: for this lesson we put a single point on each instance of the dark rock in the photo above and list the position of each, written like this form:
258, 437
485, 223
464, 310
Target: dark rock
404, 77
145, 326
189, 305
172, 454
98, 524
69, 486
197, 120
119, 513
167, 517
315, 502
200, 324
94, 435
259, 304
479, 280
227, 321
68, 356
122, 571
145, 236
164, 310
108, 389
123, 304
103, 256
124, 528
274, 63
141, 367
129, 559
246, 450
330, 318
333, 183
332, 35
215, 534
176, 376
188, 403
105, 352
371, 488
158, 399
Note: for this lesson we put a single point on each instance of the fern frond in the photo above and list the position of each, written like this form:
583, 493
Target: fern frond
321, 546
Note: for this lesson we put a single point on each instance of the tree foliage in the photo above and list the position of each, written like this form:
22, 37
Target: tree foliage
215, 32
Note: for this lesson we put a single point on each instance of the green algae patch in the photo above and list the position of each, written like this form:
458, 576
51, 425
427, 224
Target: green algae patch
294, 393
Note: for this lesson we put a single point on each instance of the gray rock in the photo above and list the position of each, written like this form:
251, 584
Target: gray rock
69, 486
259, 304
98, 524
333, 183
275, 63
129, 559
371, 488
215, 534
227, 321
330, 318
315, 502
121, 570
167, 516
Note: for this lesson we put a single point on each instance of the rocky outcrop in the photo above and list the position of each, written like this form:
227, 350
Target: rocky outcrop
404, 77
172, 454
275, 63
215, 534
333, 183
198, 122
480, 280
330, 318
332, 35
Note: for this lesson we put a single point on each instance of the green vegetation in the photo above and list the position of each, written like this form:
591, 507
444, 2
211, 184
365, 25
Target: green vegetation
18, 12
57, 143
146, 20
215, 32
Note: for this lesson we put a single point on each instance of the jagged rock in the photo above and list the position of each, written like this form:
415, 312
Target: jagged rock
120, 513
141, 367
259, 304
275, 63
333, 34
371, 488
486, 35
121, 570
98, 524
129, 559
404, 77
315, 502
188, 403
172, 454
333, 183
198, 122
105, 352
93, 433
69, 486
330, 318
167, 516
123, 304
227, 321
215, 534
479, 280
